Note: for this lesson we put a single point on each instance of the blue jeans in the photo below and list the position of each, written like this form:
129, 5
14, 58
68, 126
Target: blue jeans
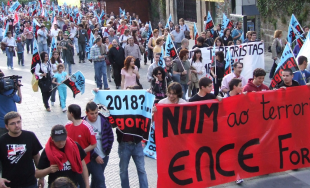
82, 48
184, 90
66, 65
127, 150
101, 71
62, 91
9, 55
42, 48
29, 42
97, 172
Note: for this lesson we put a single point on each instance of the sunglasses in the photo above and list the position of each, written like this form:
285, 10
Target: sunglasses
158, 73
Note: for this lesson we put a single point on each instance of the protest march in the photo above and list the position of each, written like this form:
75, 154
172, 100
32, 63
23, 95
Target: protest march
203, 104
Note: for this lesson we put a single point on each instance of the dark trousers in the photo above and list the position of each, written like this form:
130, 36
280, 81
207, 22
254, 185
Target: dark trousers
137, 63
273, 69
29, 43
145, 57
20, 58
117, 74
46, 96
217, 85
82, 48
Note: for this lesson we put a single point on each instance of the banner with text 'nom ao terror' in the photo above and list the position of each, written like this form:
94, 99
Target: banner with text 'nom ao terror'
208, 143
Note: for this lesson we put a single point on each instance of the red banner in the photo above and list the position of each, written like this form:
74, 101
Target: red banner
208, 143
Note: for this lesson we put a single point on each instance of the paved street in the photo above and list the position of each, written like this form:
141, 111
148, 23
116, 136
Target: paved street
38, 120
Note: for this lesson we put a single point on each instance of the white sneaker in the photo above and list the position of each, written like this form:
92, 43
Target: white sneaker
52, 103
64, 109
239, 181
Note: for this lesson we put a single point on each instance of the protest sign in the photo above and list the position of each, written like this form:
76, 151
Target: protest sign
207, 143
150, 148
76, 83
131, 110
250, 54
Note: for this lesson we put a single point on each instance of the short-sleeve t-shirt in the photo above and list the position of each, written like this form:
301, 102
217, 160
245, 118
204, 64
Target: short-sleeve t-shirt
208, 96
66, 171
7, 105
83, 134
130, 80
16, 156
60, 77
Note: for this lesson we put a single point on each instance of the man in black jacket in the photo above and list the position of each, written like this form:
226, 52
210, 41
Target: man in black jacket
287, 79
117, 58
82, 40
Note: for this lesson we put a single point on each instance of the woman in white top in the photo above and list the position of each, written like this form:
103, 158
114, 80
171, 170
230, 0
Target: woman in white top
106, 42
10, 42
198, 68
55, 60
45, 73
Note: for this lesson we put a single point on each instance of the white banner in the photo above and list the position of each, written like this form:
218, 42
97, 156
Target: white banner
250, 54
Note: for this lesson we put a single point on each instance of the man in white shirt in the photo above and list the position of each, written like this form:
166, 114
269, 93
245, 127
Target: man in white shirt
236, 74
55, 31
73, 33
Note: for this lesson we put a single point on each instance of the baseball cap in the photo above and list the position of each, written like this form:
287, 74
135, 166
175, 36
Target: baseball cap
59, 133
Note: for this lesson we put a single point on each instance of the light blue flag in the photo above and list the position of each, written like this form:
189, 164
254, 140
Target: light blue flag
79, 20
242, 37
6, 30
161, 59
53, 47
213, 51
228, 63
91, 43
168, 21
225, 23
79, 81
17, 29
15, 6
2, 5
168, 45
101, 16
150, 148
287, 53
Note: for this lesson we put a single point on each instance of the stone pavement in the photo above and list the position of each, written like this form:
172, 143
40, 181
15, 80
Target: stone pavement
37, 119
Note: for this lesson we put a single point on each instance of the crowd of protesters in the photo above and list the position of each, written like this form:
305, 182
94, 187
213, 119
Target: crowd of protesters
119, 42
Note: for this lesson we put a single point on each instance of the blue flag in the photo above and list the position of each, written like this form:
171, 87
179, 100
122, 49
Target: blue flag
2, 6
17, 29
213, 50
225, 24
91, 43
15, 7
168, 21
76, 83
242, 37
131, 111
228, 63
53, 47
169, 48
150, 148
35, 56
161, 59
6, 30
209, 24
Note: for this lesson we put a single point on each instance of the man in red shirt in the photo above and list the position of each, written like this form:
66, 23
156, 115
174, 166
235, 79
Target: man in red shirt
80, 130
256, 83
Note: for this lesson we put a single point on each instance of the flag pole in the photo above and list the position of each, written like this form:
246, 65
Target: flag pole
176, 51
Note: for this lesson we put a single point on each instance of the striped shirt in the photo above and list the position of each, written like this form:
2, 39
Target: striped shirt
95, 53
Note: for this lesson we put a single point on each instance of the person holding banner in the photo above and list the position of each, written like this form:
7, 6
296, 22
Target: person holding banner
256, 83
302, 76
277, 48
130, 73
235, 88
287, 79
218, 72
174, 95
